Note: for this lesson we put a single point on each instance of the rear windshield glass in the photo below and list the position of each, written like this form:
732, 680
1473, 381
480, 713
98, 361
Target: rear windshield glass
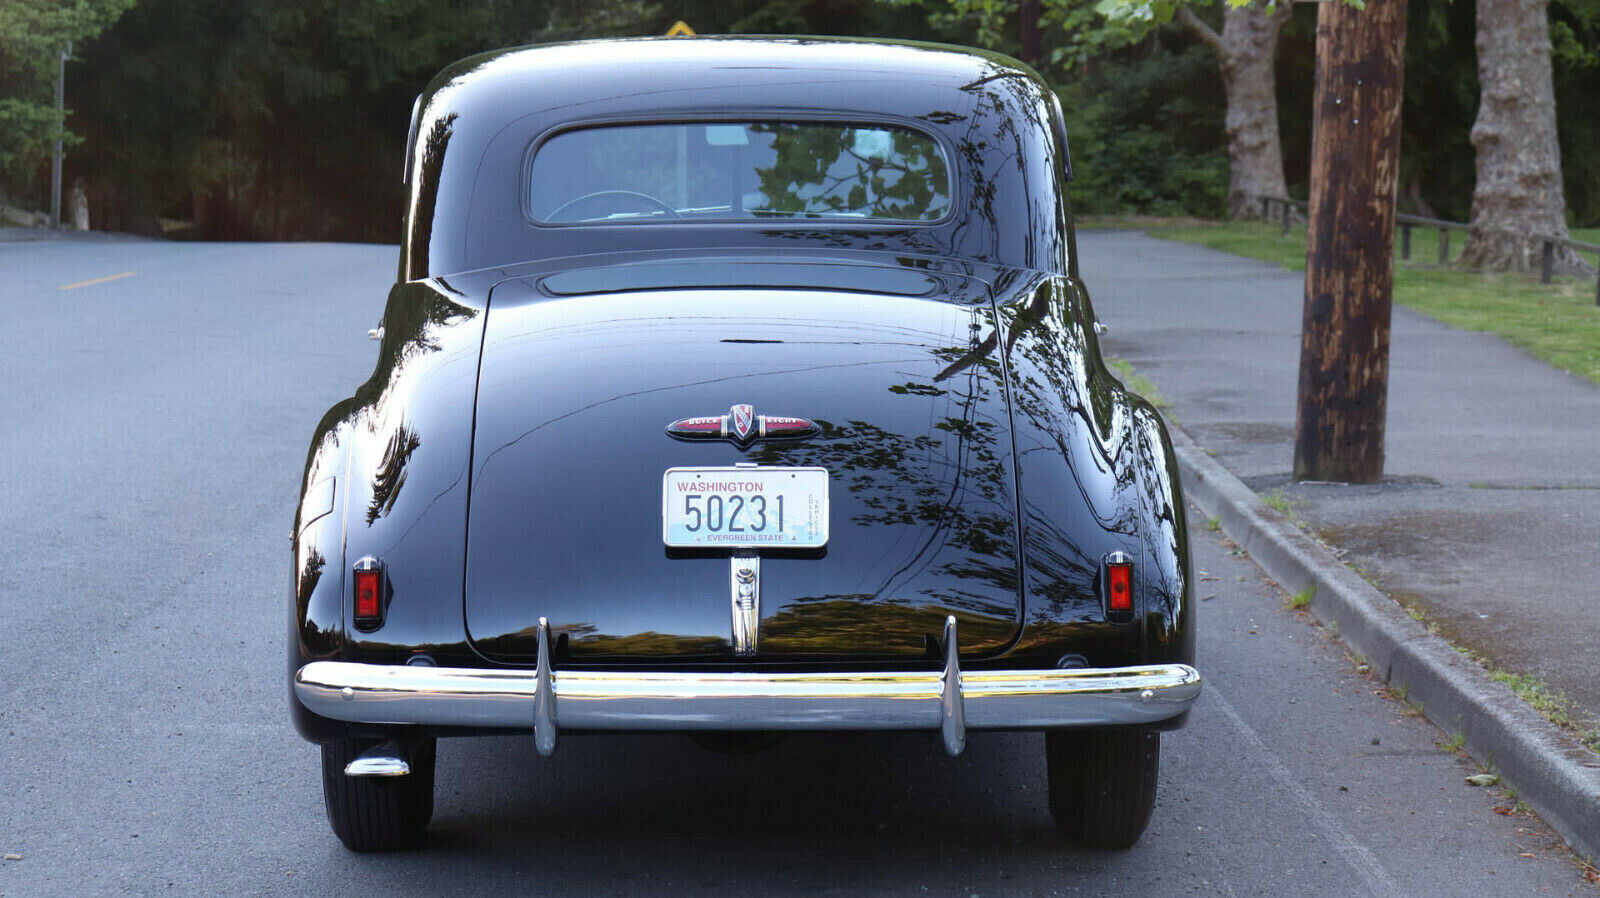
736, 171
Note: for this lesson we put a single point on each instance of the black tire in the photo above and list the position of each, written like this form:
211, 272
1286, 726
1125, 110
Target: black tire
377, 813
1103, 783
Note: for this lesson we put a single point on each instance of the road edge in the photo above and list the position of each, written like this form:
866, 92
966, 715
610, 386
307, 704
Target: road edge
1544, 764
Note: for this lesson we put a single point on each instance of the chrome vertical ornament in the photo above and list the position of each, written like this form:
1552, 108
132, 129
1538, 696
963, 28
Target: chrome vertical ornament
744, 581
952, 700
544, 694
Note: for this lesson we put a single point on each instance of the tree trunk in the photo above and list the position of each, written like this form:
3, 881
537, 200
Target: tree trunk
1245, 51
1355, 163
1519, 162
1028, 31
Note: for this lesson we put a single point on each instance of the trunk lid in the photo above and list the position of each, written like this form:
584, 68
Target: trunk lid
570, 446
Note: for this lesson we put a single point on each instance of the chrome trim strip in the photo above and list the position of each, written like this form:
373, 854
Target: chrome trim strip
952, 701
687, 700
544, 695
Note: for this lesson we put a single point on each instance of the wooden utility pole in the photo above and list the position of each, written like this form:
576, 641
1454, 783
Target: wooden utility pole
1355, 161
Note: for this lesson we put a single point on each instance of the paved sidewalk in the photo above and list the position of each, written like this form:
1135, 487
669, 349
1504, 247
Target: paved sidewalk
1488, 521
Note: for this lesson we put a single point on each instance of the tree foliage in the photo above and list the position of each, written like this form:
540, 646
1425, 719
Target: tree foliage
1074, 32
1575, 39
1142, 146
286, 118
33, 36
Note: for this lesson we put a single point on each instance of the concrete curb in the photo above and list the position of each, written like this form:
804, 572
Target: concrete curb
46, 235
1551, 772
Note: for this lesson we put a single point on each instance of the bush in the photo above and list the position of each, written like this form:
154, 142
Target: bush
1146, 133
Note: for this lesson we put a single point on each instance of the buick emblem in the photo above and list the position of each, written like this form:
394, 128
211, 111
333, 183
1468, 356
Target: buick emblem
741, 425
744, 420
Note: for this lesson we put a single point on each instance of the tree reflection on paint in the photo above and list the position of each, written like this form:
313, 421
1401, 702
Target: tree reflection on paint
949, 488
390, 475
820, 170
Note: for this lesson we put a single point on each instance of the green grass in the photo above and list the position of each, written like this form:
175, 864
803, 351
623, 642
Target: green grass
1285, 505
1302, 598
1554, 705
1374, 578
1134, 222
1558, 323
1138, 383
1277, 500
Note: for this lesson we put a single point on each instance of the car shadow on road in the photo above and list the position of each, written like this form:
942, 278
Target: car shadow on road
843, 811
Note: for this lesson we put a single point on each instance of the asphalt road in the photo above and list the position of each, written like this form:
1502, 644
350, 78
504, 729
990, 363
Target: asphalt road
152, 432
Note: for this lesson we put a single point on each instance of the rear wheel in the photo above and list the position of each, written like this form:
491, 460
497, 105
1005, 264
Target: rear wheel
377, 813
1103, 783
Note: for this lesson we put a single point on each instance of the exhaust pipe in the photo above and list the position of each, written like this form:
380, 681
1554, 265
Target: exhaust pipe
383, 759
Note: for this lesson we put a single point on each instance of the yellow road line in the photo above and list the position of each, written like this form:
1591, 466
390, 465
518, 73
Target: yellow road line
91, 283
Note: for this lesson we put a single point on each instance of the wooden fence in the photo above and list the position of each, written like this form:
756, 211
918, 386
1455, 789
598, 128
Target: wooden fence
1277, 208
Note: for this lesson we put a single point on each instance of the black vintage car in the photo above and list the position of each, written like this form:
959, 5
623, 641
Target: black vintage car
734, 387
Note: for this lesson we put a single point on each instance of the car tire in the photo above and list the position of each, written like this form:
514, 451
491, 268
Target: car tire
377, 813
1103, 783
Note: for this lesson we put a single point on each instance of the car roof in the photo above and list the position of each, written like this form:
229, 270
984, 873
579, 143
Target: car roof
600, 70
476, 125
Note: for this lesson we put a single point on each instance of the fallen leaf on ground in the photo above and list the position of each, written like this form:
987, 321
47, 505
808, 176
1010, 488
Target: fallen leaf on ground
1482, 779
1504, 811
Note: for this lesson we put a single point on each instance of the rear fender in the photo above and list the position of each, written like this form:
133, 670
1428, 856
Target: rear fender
1096, 476
316, 588
386, 477
1165, 583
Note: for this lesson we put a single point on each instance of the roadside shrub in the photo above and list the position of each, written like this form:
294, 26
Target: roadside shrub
1146, 133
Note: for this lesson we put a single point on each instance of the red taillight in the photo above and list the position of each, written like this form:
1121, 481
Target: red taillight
1119, 586
369, 593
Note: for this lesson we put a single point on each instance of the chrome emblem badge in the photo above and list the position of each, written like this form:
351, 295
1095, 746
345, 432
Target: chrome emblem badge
744, 418
741, 425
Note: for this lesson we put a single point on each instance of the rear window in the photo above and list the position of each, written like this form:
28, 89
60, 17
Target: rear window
739, 171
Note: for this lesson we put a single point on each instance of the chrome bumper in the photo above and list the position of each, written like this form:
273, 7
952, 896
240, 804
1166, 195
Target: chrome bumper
950, 700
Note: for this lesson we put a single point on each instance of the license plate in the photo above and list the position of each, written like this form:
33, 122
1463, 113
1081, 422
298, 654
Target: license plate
781, 508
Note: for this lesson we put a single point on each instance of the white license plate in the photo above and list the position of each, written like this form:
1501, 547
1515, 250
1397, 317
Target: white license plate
781, 508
